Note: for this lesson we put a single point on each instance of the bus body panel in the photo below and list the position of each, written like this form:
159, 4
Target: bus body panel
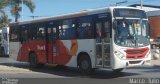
136, 60
37, 47
86, 46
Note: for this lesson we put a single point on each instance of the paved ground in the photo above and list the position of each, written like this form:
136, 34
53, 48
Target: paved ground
155, 62
13, 69
9, 65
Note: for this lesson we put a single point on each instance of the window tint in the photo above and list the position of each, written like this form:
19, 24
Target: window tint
41, 33
85, 29
67, 30
51, 34
32, 32
24, 34
36, 32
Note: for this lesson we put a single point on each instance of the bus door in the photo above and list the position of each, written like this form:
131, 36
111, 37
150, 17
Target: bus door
102, 43
51, 44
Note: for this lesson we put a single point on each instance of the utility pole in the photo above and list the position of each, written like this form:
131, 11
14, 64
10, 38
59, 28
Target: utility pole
141, 1
121, 2
22, 11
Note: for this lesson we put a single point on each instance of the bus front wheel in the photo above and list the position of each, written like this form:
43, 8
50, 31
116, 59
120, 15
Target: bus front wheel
84, 64
117, 70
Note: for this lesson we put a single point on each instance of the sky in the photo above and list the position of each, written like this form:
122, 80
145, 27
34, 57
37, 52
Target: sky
46, 8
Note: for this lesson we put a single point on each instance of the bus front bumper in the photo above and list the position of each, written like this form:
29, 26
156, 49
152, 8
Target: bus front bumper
131, 63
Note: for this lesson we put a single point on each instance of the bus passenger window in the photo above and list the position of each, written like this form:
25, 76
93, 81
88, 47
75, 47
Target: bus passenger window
49, 34
54, 33
84, 30
107, 32
24, 35
98, 32
41, 33
61, 32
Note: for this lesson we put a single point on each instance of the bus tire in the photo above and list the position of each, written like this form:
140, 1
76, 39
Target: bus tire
33, 62
118, 70
84, 64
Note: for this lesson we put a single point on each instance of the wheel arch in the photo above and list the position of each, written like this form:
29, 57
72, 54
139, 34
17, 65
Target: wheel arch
29, 54
81, 54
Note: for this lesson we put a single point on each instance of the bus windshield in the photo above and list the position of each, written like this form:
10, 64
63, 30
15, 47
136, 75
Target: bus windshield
131, 32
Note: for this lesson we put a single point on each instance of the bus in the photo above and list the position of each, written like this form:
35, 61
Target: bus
113, 37
4, 48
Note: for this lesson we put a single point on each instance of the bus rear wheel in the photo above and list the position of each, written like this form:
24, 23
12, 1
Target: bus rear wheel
33, 62
84, 64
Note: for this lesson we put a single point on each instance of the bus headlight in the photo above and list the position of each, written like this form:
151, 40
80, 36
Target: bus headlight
120, 55
148, 54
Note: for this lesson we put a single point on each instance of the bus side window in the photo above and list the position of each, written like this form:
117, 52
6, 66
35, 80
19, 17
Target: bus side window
98, 32
61, 32
67, 31
32, 32
51, 35
107, 31
84, 28
41, 33
54, 33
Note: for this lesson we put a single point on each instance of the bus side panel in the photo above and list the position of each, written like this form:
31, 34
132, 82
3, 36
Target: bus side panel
72, 47
14, 49
63, 55
40, 50
86, 45
37, 47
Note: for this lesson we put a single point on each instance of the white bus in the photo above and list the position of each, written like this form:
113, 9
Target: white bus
4, 48
114, 37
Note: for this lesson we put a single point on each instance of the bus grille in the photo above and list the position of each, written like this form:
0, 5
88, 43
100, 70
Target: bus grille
134, 62
137, 53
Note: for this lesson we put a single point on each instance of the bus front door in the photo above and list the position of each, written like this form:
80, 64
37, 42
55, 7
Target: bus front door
51, 45
102, 44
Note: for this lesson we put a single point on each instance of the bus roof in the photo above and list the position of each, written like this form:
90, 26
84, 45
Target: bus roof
153, 13
71, 15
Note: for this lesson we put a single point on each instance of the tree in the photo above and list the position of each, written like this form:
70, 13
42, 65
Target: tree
4, 21
16, 7
3, 17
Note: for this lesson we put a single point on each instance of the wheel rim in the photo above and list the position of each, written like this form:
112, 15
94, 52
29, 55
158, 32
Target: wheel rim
84, 64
